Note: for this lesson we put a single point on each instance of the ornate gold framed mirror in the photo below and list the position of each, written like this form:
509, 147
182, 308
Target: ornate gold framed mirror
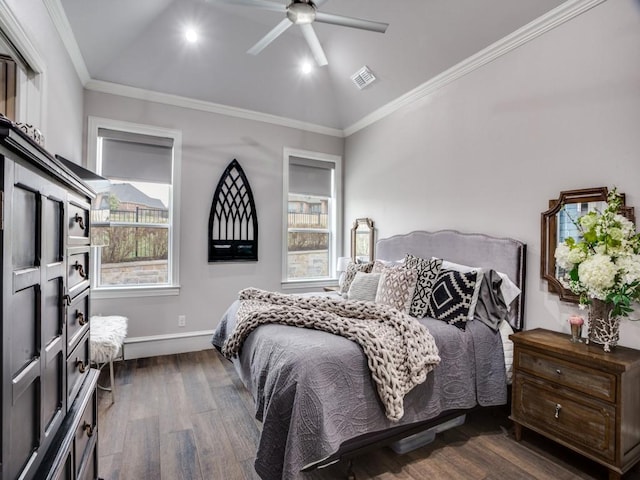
362, 240
557, 224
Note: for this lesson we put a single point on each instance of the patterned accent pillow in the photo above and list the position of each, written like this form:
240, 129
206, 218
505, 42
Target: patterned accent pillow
451, 297
364, 287
350, 274
396, 288
428, 271
458, 267
380, 266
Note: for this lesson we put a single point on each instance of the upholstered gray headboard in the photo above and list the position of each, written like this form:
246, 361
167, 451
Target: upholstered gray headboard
501, 254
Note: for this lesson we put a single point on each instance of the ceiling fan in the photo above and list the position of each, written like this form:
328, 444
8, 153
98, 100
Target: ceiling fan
304, 13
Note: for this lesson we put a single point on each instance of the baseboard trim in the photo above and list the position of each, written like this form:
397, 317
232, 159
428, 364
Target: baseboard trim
156, 345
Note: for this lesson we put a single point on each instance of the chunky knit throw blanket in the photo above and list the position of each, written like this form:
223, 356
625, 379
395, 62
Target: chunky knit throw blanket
400, 351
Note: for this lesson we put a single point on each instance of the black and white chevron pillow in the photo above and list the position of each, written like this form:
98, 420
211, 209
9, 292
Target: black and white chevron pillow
451, 297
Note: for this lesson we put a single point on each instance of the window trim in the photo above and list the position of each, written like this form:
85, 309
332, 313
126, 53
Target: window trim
336, 211
173, 287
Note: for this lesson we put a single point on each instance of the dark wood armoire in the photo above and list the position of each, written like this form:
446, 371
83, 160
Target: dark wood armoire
49, 405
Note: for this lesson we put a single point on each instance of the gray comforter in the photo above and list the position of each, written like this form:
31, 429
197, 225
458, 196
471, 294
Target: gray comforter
313, 390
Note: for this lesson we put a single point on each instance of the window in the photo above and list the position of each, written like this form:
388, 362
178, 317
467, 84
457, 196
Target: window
569, 215
134, 221
567, 226
312, 224
8, 78
22, 73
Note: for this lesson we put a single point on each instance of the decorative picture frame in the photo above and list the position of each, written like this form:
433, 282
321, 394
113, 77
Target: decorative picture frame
233, 220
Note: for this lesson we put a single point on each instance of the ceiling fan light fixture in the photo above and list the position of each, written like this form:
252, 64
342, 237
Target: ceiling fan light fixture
301, 12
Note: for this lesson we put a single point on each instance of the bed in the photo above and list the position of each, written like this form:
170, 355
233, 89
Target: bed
314, 392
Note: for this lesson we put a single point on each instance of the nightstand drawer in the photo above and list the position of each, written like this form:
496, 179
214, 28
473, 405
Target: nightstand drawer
595, 383
585, 423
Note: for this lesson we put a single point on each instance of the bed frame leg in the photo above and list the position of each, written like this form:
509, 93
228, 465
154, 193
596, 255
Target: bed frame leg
350, 473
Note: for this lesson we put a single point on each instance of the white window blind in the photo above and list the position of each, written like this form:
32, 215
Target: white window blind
310, 177
136, 157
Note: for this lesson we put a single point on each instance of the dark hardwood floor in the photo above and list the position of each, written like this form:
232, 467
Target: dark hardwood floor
188, 417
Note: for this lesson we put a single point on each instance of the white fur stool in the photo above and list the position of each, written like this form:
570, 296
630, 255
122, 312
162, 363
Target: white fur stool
106, 341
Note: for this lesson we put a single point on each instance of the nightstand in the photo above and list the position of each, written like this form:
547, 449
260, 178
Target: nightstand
579, 396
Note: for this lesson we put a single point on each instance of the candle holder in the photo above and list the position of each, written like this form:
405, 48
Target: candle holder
576, 322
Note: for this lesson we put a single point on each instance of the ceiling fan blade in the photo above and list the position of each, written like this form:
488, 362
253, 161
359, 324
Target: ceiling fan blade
351, 22
314, 44
263, 4
270, 37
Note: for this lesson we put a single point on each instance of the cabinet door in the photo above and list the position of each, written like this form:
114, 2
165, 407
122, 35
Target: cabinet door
34, 343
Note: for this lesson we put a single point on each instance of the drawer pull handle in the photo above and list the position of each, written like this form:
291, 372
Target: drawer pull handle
559, 372
80, 268
558, 408
80, 316
67, 299
88, 429
80, 221
81, 366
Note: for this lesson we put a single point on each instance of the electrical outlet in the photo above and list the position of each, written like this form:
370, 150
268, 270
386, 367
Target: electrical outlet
182, 320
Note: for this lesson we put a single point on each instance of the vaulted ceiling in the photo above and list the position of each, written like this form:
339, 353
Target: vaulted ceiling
141, 44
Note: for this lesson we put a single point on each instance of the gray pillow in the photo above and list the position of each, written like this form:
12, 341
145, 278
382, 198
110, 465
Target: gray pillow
364, 287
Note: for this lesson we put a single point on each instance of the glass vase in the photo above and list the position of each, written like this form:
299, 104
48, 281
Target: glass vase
604, 329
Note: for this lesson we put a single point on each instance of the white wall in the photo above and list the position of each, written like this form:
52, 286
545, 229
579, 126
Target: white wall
484, 153
63, 92
210, 141
487, 152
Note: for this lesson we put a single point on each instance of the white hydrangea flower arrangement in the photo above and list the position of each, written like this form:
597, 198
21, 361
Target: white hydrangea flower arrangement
605, 264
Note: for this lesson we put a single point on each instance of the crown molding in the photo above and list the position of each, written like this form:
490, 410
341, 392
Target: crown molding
559, 15
185, 102
61, 22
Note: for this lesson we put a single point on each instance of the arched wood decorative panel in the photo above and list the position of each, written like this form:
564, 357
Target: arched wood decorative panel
233, 220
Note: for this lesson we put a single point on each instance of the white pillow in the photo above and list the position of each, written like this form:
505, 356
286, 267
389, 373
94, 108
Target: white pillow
507, 345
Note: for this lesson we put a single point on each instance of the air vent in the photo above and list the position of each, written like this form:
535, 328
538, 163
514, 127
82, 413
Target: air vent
363, 77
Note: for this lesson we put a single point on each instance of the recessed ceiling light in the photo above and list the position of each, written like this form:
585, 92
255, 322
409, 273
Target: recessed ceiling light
191, 35
306, 67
